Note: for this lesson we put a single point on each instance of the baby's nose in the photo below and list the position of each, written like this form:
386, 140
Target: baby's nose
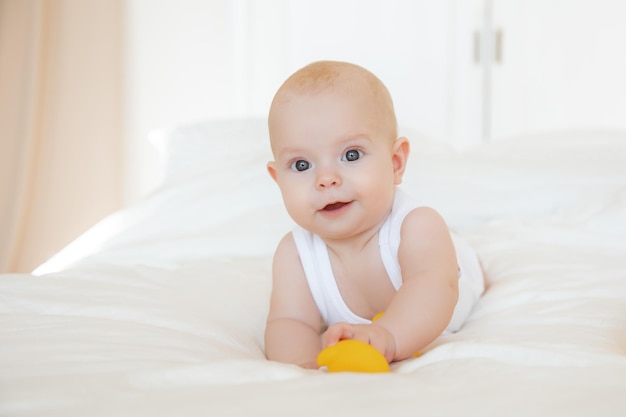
328, 179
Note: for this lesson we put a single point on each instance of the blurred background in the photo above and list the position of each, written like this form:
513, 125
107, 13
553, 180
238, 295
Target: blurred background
84, 82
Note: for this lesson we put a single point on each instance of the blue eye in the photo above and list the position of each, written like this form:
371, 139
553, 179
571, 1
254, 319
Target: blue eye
300, 165
352, 155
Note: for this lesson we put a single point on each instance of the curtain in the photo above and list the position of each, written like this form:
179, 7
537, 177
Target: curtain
61, 146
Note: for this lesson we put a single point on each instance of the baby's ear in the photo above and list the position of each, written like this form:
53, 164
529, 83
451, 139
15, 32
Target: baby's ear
272, 169
401, 149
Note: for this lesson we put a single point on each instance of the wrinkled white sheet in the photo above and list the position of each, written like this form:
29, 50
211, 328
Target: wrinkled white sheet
147, 315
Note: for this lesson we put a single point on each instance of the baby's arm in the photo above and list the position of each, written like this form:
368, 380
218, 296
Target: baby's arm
423, 306
292, 333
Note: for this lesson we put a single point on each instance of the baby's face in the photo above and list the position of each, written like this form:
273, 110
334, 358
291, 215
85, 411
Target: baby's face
335, 162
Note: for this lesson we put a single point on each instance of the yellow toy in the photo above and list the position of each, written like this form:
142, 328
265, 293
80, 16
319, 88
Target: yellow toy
352, 356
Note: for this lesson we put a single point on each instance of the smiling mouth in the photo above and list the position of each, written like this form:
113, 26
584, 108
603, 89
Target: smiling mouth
335, 206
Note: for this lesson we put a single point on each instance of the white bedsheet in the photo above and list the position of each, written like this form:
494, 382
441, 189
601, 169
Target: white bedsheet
159, 310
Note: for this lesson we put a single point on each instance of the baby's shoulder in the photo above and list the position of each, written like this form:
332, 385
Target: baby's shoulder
424, 219
286, 246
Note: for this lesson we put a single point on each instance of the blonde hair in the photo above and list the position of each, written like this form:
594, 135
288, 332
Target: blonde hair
341, 77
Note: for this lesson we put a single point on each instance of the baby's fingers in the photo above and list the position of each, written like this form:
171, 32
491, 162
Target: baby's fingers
337, 332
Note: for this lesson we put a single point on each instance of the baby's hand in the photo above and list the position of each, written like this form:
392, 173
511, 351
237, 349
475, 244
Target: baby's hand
375, 335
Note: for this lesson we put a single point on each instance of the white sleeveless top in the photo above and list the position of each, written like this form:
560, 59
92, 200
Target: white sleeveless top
317, 267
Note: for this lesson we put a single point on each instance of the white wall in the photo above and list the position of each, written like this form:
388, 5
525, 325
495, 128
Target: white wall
563, 65
181, 57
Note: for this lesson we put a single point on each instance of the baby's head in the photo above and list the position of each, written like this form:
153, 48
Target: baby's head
337, 157
340, 78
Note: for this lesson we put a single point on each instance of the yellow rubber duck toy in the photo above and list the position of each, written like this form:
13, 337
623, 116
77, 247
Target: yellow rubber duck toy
352, 356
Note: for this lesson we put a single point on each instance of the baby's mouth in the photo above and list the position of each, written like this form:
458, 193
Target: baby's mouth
334, 206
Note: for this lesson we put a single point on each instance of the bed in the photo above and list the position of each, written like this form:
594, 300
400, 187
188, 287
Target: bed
159, 309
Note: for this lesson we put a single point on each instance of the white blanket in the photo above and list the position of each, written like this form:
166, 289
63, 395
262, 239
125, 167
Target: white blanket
159, 310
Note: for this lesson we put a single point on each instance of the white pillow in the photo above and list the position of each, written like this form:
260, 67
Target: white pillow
231, 149
531, 175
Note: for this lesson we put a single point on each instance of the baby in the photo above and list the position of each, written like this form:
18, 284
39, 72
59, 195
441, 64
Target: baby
361, 246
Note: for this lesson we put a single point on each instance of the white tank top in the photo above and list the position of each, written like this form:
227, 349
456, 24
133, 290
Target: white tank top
319, 274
